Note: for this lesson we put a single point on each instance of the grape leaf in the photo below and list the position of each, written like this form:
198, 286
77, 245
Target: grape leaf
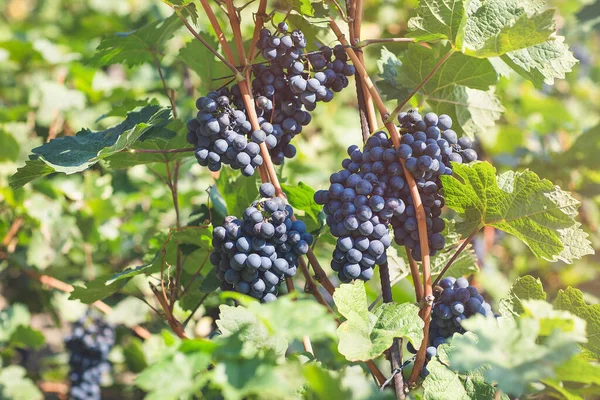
366, 335
464, 264
440, 19
27, 338
512, 350
579, 370
524, 288
324, 384
12, 318
519, 203
14, 384
498, 27
274, 325
237, 190
542, 63
9, 147
300, 198
304, 7
571, 300
204, 63
442, 383
71, 154
95, 290
136, 47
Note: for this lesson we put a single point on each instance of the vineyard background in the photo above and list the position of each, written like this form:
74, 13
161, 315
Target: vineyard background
76, 228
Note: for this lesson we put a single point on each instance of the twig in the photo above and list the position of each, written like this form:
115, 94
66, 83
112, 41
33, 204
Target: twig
237, 31
340, 10
463, 245
233, 69
12, 231
395, 351
170, 94
367, 42
185, 289
135, 151
420, 211
65, 287
437, 66
215, 24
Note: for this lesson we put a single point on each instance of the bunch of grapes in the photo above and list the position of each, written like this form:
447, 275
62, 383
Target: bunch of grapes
292, 80
253, 255
361, 201
220, 134
455, 301
428, 146
89, 344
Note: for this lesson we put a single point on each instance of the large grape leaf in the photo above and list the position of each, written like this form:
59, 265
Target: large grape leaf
519, 203
515, 352
135, 47
366, 335
524, 288
497, 27
571, 300
462, 87
440, 19
71, 154
543, 62
204, 63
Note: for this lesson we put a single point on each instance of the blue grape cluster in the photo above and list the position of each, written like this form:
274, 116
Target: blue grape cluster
362, 200
254, 254
428, 146
455, 301
293, 80
89, 344
220, 134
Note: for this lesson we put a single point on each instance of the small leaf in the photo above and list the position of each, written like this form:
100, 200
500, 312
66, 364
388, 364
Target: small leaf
524, 288
304, 7
136, 47
27, 338
442, 383
300, 198
9, 147
519, 203
204, 63
571, 300
237, 190
366, 335
95, 290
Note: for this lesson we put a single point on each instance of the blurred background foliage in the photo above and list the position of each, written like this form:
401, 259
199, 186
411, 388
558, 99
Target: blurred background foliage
78, 227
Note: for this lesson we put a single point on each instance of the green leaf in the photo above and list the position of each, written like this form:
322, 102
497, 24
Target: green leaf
542, 63
474, 111
9, 147
440, 19
134, 356
194, 242
511, 350
71, 154
129, 273
551, 320
571, 300
442, 383
324, 384
203, 62
579, 370
304, 7
237, 190
524, 288
179, 376
274, 325
300, 198
27, 338
464, 264
366, 335
11, 319
14, 385
519, 203
136, 47
500, 26
95, 290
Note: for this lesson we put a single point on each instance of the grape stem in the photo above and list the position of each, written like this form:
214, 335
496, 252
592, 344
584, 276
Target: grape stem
167, 151
219, 32
416, 276
463, 246
420, 211
395, 351
368, 42
392, 116
170, 93
238, 76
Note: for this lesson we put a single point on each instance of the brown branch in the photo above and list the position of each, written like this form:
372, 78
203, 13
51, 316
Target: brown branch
391, 117
395, 351
229, 65
420, 211
237, 31
12, 231
340, 10
416, 276
367, 42
215, 24
65, 287
463, 245
170, 93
